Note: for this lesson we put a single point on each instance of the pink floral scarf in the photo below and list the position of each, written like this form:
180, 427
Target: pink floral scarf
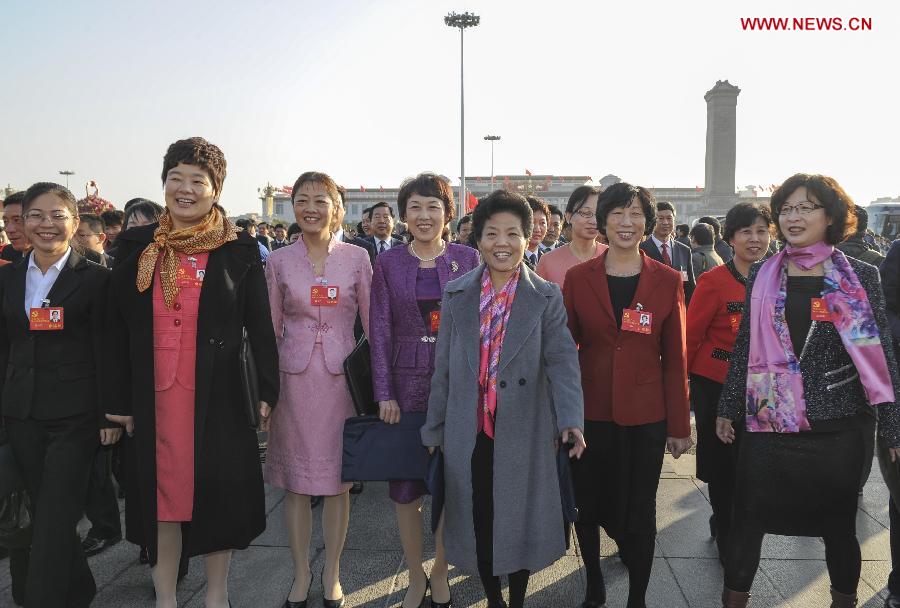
775, 401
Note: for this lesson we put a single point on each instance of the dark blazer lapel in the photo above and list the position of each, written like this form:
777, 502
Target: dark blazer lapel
597, 281
650, 248
527, 310
68, 279
465, 309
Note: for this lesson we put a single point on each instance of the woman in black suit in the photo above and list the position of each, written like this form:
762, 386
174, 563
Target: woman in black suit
50, 355
181, 293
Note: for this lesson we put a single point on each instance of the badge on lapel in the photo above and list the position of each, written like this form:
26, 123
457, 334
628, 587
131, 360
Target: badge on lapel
454, 267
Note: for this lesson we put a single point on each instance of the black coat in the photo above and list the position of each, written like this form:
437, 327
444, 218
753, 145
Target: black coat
681, 261
229, 501
49, 375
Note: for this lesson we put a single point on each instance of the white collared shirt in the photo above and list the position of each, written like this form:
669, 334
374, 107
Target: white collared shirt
38, 284
339, 235
668, 243
387, 244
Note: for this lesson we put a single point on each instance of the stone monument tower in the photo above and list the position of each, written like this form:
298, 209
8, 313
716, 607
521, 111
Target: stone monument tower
721, 143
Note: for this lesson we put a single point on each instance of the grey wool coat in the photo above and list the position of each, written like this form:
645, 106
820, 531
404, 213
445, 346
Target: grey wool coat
538, 395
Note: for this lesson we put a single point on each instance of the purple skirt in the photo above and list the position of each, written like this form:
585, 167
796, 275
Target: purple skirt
412, 396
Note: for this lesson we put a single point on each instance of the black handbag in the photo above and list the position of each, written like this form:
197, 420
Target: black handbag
377, 451
566, 489
358, 372
434, 481
249, 382
15, 514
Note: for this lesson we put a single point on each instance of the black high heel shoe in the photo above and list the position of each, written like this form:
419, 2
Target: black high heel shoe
302, 603
338, 603
421, 603
447, 604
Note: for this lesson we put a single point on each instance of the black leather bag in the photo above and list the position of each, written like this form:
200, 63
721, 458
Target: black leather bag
249, 382
566, 487
15, 514
358, 372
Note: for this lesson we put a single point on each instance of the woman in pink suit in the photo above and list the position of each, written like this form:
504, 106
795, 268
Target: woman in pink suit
581, 214
406, 301
316, 288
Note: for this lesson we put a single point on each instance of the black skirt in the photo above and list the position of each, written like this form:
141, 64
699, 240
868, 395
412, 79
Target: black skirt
617, 476
800, 484
716, 461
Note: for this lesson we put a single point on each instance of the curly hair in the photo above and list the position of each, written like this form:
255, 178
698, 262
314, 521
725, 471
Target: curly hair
200, 153
839, 207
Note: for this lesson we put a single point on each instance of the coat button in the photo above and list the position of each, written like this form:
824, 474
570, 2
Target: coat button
503, 384
220, 344
212, 341
521, 381
177, 322
177, 306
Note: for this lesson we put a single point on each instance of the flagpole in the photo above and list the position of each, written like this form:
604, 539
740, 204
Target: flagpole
462, 22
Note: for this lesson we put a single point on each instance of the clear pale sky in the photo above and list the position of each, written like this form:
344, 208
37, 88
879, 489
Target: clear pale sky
368, 91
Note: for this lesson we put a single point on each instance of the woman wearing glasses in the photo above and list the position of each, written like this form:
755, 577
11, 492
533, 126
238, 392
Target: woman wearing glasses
50, 355
581, 214
812, 353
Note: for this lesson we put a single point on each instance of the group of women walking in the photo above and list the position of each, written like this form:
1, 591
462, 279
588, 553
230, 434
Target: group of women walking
590, 354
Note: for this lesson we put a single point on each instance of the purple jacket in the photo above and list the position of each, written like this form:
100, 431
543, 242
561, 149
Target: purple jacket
399, 353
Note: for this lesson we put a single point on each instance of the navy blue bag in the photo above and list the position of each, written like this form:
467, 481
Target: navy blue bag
377, 451
434, 481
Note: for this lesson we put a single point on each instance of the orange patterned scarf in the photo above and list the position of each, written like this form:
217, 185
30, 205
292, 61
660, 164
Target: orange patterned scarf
213, 232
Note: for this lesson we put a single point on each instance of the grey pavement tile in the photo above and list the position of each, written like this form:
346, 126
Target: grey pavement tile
792, 547
276, 535
874, 539
805, 584
875, 574
260, 577
682, 520
134, 587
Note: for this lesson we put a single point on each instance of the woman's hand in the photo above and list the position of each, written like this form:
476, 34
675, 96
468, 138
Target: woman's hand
678, 446
110, 436
895, 454
265, 411
126, 421
432, 448
724, 430
578, 438
389, 411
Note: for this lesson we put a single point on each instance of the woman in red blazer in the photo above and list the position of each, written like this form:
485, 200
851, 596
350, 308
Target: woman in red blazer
626, 313
712, 324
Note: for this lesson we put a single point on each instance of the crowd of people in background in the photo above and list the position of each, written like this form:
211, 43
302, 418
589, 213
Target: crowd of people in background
528, 335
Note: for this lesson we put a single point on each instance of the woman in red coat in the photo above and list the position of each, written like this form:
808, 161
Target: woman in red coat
712, 324
626, 313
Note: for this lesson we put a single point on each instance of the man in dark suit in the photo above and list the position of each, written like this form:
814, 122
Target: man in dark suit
535, 247
382, 228
280, 237
341, 234
663, 248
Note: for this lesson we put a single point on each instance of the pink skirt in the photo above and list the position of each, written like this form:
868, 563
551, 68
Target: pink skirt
306, 437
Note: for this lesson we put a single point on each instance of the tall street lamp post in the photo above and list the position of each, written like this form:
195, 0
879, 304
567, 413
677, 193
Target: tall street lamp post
67, 173
462, 22
492, 139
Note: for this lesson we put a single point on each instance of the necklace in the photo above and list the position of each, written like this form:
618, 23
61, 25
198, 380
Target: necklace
421, 259
629, 271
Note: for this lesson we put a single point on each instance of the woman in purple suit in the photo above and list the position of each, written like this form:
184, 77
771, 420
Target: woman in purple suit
404, 319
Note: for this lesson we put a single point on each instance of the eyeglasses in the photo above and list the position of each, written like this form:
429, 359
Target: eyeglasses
802, 208
57, 217
586, 214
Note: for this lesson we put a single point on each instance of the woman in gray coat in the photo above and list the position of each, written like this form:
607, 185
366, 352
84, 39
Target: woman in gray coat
494, 411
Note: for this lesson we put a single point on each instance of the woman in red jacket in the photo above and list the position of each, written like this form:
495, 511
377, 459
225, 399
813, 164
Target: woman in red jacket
626, 313
712, 324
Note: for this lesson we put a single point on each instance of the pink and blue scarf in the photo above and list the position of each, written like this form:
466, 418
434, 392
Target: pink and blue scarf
775, 400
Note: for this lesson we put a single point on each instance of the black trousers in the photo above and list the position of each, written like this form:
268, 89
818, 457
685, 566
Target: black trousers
894, 578
483, 517
55, 457
102, 507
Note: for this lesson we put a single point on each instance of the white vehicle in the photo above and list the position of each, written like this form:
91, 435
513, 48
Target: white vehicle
884, 219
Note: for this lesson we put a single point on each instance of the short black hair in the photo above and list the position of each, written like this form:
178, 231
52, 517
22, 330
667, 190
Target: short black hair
293, 229
502, 201
367, 211
132, 202
359, 228
744, 215
554, 210
712, 223
619, 196
94, 221
380, 204
702, 234
862, 219
683, 229
277, 226
579, 197
15, 198
148, 209
538, 205
245, 223
463, 221
666, 206
113, 217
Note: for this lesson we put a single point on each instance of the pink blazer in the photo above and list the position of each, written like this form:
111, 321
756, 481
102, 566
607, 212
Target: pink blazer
298, 324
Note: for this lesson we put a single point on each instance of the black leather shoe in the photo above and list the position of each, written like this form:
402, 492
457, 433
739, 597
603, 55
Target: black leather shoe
593, 604
435, 604
338, 603
892, 601
357, 487
302, 603
92, 545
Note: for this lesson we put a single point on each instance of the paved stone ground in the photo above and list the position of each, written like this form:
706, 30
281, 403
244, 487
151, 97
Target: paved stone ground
686, 571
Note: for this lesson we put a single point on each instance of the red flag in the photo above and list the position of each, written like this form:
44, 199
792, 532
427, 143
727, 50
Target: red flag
362, 188
527, 172
699, 189
471, 201
381, 188
287, 189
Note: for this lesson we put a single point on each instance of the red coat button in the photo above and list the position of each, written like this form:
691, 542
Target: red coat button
177, 306
177, 322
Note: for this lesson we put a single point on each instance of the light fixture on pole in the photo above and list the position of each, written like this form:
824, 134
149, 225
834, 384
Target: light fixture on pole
492, 139
462, 22
67, 173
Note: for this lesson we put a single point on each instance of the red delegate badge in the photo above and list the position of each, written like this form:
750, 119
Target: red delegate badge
818, 310
435, 321
638, 321
322, 295
735, 323
46, 319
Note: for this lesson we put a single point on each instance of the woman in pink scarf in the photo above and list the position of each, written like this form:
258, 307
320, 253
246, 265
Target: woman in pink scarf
812, 356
